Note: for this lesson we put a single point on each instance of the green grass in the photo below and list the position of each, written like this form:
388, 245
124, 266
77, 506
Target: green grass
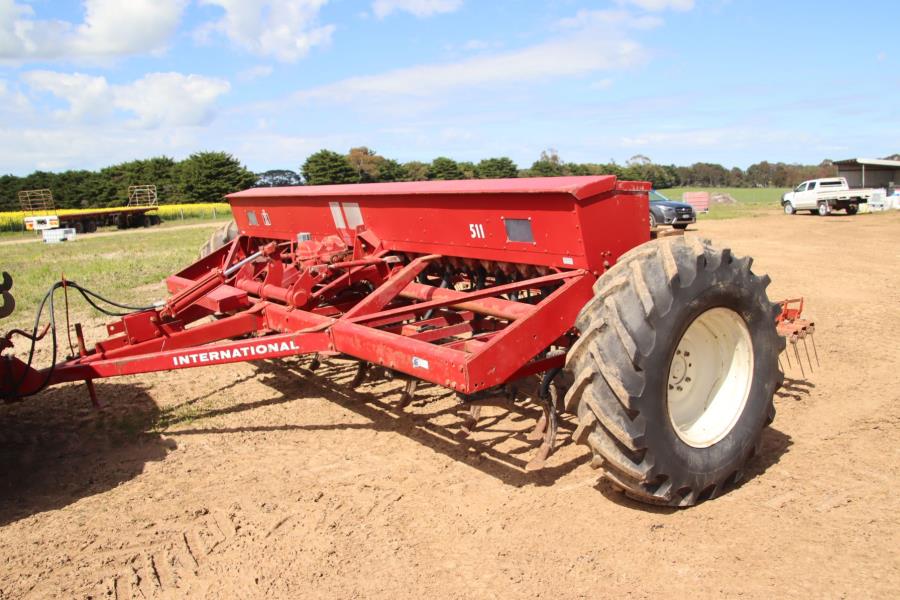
127, 268
751, 202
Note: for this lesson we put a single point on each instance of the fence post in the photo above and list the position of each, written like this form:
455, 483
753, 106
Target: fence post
181, 211
214, 211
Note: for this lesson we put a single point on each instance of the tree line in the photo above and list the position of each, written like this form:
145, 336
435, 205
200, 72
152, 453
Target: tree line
362, 165
208, 176
202, 177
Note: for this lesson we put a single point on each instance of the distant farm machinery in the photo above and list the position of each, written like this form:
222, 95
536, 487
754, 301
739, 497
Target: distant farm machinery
666, 351
41, 213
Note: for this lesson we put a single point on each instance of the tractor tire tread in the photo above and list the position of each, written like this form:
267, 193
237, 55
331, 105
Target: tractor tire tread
219, 238
617, 338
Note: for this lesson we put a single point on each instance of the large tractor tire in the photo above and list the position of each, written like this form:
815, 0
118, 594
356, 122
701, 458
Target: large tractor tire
675, 370
220, 237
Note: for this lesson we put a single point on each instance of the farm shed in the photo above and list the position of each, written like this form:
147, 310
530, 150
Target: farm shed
869, 172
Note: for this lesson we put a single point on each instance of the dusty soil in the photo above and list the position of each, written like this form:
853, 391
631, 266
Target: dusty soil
269, 481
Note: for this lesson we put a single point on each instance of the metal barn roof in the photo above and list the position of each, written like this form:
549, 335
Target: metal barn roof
879, 162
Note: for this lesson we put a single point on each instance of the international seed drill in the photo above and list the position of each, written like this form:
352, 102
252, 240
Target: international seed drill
666, 351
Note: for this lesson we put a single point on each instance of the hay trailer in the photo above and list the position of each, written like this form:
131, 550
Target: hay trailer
666, 351
41, 212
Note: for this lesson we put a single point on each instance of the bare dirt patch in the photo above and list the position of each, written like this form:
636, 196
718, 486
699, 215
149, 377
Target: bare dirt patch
268, 480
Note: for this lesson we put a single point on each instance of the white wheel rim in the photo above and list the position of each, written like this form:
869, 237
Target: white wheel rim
709, 377
788, 208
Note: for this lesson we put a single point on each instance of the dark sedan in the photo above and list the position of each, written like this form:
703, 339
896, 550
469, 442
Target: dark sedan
668, 212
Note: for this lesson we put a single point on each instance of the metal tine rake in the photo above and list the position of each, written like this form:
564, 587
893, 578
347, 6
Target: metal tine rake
795, 329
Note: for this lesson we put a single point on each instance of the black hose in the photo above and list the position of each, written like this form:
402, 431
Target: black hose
85, 292
14, 391
445, 283
546, 380
89, 297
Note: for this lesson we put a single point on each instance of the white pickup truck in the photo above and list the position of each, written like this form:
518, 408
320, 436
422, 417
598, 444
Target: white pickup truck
824, 195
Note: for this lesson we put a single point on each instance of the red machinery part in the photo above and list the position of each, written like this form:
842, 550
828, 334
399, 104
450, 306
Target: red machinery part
474, 285
356, 269
791, 325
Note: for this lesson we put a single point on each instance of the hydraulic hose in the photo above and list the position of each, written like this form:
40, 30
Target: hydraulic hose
91, 298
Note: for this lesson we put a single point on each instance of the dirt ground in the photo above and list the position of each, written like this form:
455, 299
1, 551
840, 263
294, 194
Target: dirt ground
269, 481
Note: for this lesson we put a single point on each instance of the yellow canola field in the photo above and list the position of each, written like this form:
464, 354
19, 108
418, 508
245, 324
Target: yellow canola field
14, 220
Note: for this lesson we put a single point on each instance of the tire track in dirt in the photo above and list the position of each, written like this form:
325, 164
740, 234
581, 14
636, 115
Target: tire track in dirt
170, 568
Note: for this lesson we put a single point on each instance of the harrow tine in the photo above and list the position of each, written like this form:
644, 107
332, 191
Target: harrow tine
409, 392
539, 427
797, 356
540, 459
360, 376
808, 359
549, 423
471, 420
791, 325
812, 338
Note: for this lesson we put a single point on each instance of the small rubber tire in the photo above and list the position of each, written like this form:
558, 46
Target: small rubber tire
823, 210
221, 237
652, 221
852, 209
789, 209
622, 362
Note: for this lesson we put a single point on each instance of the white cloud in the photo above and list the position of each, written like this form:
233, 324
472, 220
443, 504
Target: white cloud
254, 73
110, 28
284, 29
171, 99
598, 45
155, 100
113, 27
737, 136
80, 147
602, 84
607, 19
419, 8
455, 134
15, 108
89, 98
660, 5
481, 45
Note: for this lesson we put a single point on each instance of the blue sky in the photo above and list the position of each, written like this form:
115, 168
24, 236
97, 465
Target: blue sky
97, 82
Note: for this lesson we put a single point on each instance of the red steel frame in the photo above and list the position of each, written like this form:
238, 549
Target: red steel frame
466, 284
